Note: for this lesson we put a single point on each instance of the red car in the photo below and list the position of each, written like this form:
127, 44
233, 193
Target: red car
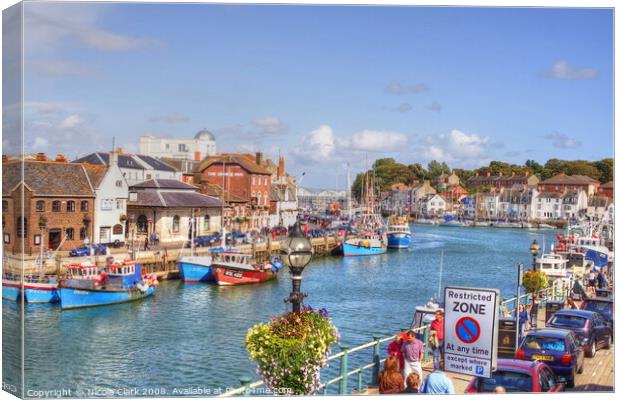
518, 376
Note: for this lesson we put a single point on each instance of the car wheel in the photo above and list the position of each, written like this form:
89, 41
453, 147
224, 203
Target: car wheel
592, 349
571, 382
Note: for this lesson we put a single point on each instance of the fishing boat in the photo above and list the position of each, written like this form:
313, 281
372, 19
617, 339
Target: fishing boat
553, 265
41, 289
236, 268
450, 221
370, 238
119, 282
11, 286
398, 232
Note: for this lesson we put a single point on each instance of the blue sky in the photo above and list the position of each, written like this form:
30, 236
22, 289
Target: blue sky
323, 85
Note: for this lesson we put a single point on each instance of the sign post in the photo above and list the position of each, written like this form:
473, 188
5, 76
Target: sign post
471, 330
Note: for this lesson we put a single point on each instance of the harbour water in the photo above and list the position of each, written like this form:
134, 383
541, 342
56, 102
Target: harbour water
190, 336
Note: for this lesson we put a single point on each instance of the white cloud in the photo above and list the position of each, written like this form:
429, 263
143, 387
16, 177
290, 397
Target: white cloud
456, 147
403, 108
50, 24
40, 144
71, 122
270, 125
562, 141
563, 70
398, 87
434, 106
375, 141
320, 144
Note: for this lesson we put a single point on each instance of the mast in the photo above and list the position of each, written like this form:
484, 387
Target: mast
348, 190
222, 219
192, 226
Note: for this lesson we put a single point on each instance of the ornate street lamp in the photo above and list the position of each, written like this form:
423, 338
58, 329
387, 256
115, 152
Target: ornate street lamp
297, 252
534, 249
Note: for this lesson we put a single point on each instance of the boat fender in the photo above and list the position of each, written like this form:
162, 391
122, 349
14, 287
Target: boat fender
143, 288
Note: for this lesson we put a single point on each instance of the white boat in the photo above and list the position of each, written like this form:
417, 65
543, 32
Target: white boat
545, 226
553, 265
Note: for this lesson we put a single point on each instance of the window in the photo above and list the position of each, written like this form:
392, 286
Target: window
106, 204
40, 206
148, 176
176, 222
82, 233
119, 183
183, 148
117, 229
56, 206
37, 239
7, 238
207, 223
69, 232
71, 205
120, 204
22, 227
167, 146
5, 205
142, 224
84, 205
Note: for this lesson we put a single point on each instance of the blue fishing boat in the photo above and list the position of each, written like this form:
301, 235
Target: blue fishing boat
398, 232
368, 244
11, 286
196, 269
41, 289
118, 282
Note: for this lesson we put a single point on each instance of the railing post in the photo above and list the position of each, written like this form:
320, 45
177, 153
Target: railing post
245, 382
376, 359
344, 369
427, 333
359, 381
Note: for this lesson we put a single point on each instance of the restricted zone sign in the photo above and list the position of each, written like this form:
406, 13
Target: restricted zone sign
471, 328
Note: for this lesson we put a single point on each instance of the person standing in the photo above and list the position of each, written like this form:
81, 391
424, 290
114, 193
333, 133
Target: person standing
437, 332
524, 319
413, 351
437, 382
394, 349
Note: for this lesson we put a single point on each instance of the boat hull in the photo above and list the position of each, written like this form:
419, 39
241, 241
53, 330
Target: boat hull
194, 272
399, 240
230, 277
355, 250
10, 291
42, 293
71, 298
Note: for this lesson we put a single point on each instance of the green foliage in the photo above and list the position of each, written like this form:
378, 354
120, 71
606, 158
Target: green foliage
291, 350
435, 168
533, 281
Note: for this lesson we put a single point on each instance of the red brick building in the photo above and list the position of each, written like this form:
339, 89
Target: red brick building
607, 189
501, 181
57, 208
243, 180
563, 182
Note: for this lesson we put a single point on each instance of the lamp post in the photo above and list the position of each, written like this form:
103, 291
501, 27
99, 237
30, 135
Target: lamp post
534, 249
297, 252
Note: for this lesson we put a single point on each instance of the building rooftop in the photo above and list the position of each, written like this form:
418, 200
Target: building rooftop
131, 161
175, 200
563, 179
204, 134
164, 184
243, 160
47, 178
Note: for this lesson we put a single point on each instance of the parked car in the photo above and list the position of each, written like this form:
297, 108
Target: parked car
603, 306
88, 250
279, 230
207, 240
590, 327
558, 348
519, 376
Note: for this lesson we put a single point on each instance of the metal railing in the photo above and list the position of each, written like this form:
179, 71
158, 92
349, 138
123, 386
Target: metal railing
557, 292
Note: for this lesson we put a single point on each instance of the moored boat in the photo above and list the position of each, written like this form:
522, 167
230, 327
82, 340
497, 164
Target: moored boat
365, 244
398, 232
11, 286
41, 289
118, 282
235, 268
196, 269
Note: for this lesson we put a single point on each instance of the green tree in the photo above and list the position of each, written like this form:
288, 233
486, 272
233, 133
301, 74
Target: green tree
418, 171
606, 168
435, 168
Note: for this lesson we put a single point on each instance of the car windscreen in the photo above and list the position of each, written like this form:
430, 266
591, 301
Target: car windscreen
538, 343
569, 321
601, 307
509, 380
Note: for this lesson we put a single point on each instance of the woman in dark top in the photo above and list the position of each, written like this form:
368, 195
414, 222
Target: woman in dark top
390, 380
413, 383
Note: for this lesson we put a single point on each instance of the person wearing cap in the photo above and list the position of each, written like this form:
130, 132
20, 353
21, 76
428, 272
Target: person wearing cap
394, 349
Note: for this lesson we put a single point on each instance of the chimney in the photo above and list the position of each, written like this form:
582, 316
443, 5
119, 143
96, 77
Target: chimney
61, 158
281, 166
113, 158
488, 173
197, 156
41, 157
5, 158
119, 150
259, 158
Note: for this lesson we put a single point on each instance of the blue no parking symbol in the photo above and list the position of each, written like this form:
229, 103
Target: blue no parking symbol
467, 330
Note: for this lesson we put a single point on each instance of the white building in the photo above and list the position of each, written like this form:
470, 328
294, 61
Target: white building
201, 146
549, 206
434, 204
135, 168
574, 202
517, 203
111, 195
320, 199
487, 206
418, 195
283, 209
